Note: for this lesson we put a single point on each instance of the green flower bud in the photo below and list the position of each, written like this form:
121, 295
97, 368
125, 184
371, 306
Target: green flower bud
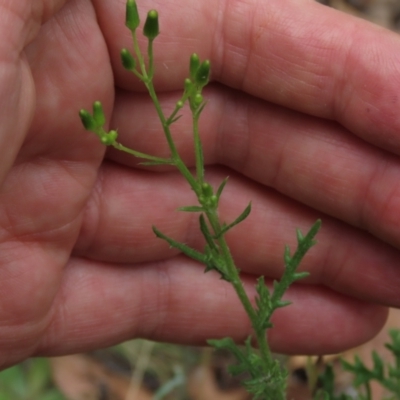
127, 60
132, 20
194, 65
98, 114
87, 120
179, 104
203, 73
197, 100
109, 138
151, 28
188, 85
207, 189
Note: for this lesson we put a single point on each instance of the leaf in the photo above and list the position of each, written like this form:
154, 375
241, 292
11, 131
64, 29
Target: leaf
221, 187
264, 305
286, 256
282, 303
173, 120
188, 251
378, 366
214, 261
239, 219
207, 234
300, 275
300, 236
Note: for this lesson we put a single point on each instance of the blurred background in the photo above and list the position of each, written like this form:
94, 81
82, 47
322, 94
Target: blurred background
144, 370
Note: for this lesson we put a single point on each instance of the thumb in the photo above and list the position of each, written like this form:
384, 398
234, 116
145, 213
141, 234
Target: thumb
20, 22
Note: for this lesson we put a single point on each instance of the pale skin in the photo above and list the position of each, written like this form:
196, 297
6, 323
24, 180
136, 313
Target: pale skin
303, 115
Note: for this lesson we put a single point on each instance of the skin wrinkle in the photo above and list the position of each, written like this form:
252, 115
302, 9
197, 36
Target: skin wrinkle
91, 217
342, 94
28, 225
386, 206
159, 313
232, 107
229, 7
366, 198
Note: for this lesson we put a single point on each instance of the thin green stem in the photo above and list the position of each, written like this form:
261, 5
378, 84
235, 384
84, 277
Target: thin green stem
151, 59
140, 58
148, 81
240, 291
198, 149
144, 156
174, 152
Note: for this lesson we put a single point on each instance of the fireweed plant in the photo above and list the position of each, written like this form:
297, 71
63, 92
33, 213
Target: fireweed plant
265, 377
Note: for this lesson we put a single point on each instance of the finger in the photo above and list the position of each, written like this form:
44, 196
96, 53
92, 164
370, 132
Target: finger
314, 161
70, 69
118, 220
101, 304
19, 24
348, 71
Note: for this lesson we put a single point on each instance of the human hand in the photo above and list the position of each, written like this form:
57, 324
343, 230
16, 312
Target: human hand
302, 116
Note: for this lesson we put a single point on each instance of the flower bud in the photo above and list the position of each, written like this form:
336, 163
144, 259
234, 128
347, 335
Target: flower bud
197, 100
127, 60
206, 189
132, 16
203, 73
98, 114
87, 120
194, 65
188, 85
151, 28
109, 138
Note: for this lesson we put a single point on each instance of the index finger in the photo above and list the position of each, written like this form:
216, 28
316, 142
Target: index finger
317, 60
299, 54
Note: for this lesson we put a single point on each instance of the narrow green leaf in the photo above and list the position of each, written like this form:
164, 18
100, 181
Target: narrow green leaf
188, 251
221, 187
191, 209
199, 110
178, 117
239, 219
282, 303
286, 256
300, 275
378, 366
207, 234
300, 236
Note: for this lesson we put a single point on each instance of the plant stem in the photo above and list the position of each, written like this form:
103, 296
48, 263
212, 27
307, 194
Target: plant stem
240, 291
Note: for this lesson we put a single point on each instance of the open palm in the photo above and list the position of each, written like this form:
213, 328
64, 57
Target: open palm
304, 122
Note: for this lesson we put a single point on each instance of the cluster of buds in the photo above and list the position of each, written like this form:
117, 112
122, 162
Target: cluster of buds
95, 122
199, 77
132, 20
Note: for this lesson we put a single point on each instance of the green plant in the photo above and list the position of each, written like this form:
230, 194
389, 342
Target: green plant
266, 377
30, 380
387, 375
